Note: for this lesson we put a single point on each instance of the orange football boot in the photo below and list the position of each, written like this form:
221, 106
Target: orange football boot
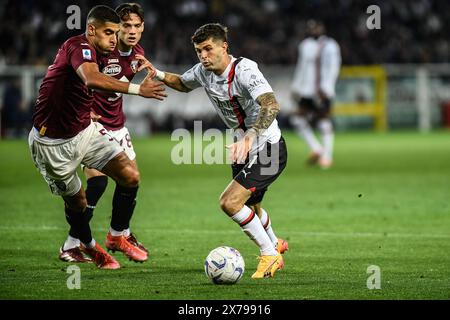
120, 243
102, 259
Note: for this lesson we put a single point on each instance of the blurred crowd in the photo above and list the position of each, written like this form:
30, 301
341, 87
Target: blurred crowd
267, 31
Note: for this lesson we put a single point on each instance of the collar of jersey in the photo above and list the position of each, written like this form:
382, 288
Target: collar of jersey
227, 69
125, 54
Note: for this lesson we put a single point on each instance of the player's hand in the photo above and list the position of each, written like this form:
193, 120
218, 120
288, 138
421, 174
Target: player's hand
95, 117
239, 150
152, 89
145, 64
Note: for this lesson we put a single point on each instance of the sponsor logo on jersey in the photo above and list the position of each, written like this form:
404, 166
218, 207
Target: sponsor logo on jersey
87, 54
113, 60
112, 69
256, 83
134, 65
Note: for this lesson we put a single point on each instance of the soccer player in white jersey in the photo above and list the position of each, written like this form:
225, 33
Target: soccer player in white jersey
244, 100
313, 87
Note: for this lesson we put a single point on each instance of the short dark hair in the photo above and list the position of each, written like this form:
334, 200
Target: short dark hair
125, 9
102, 14
210, 30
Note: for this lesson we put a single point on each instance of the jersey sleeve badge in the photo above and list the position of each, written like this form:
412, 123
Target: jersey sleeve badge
87, 54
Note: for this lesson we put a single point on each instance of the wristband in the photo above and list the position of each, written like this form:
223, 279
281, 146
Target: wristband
134, 88
160, 75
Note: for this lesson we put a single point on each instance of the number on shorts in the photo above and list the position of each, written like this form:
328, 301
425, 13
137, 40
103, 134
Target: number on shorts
103, 132
128, 139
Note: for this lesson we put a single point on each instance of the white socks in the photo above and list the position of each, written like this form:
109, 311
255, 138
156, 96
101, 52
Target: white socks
71, 243
304, 130
126, 233
91, 244
326, 130
252, 226
267, 225
115, 233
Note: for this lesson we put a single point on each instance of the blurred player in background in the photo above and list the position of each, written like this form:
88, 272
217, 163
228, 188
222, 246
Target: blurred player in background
107, 108
313, 87
244, 100
63, 135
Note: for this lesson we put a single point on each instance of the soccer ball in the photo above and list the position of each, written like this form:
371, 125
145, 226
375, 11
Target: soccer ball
224, 265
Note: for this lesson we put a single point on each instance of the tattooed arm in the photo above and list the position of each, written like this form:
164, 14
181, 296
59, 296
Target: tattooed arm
268, 113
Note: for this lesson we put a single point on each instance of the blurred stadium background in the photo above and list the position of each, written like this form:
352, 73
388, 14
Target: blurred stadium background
394, 77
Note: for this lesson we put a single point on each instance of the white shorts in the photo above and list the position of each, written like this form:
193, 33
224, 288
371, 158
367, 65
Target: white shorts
58, 159
123, 137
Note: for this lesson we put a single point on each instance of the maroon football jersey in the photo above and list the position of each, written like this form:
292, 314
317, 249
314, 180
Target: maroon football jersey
122, 66
63, 105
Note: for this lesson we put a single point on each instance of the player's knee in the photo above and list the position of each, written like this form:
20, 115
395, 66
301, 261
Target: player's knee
131, 178
229, 204
224, 203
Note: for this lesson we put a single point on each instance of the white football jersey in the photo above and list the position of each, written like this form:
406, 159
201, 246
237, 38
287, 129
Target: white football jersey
234, 94
317, 67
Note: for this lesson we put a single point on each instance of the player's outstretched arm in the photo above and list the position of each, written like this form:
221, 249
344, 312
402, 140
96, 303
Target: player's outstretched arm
172, 80
94, 79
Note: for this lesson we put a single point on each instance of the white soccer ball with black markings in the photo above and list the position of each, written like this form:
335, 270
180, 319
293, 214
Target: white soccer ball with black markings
224, 265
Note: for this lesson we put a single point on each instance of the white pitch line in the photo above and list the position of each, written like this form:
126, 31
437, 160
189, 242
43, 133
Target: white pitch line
225, 232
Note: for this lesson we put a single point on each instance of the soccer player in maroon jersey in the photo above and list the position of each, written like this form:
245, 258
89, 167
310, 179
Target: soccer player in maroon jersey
121, 64
63, 135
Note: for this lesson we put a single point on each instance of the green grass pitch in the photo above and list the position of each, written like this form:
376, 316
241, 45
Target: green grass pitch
384, 203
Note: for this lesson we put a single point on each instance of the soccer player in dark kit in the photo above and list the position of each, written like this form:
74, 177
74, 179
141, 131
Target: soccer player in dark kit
64, 136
